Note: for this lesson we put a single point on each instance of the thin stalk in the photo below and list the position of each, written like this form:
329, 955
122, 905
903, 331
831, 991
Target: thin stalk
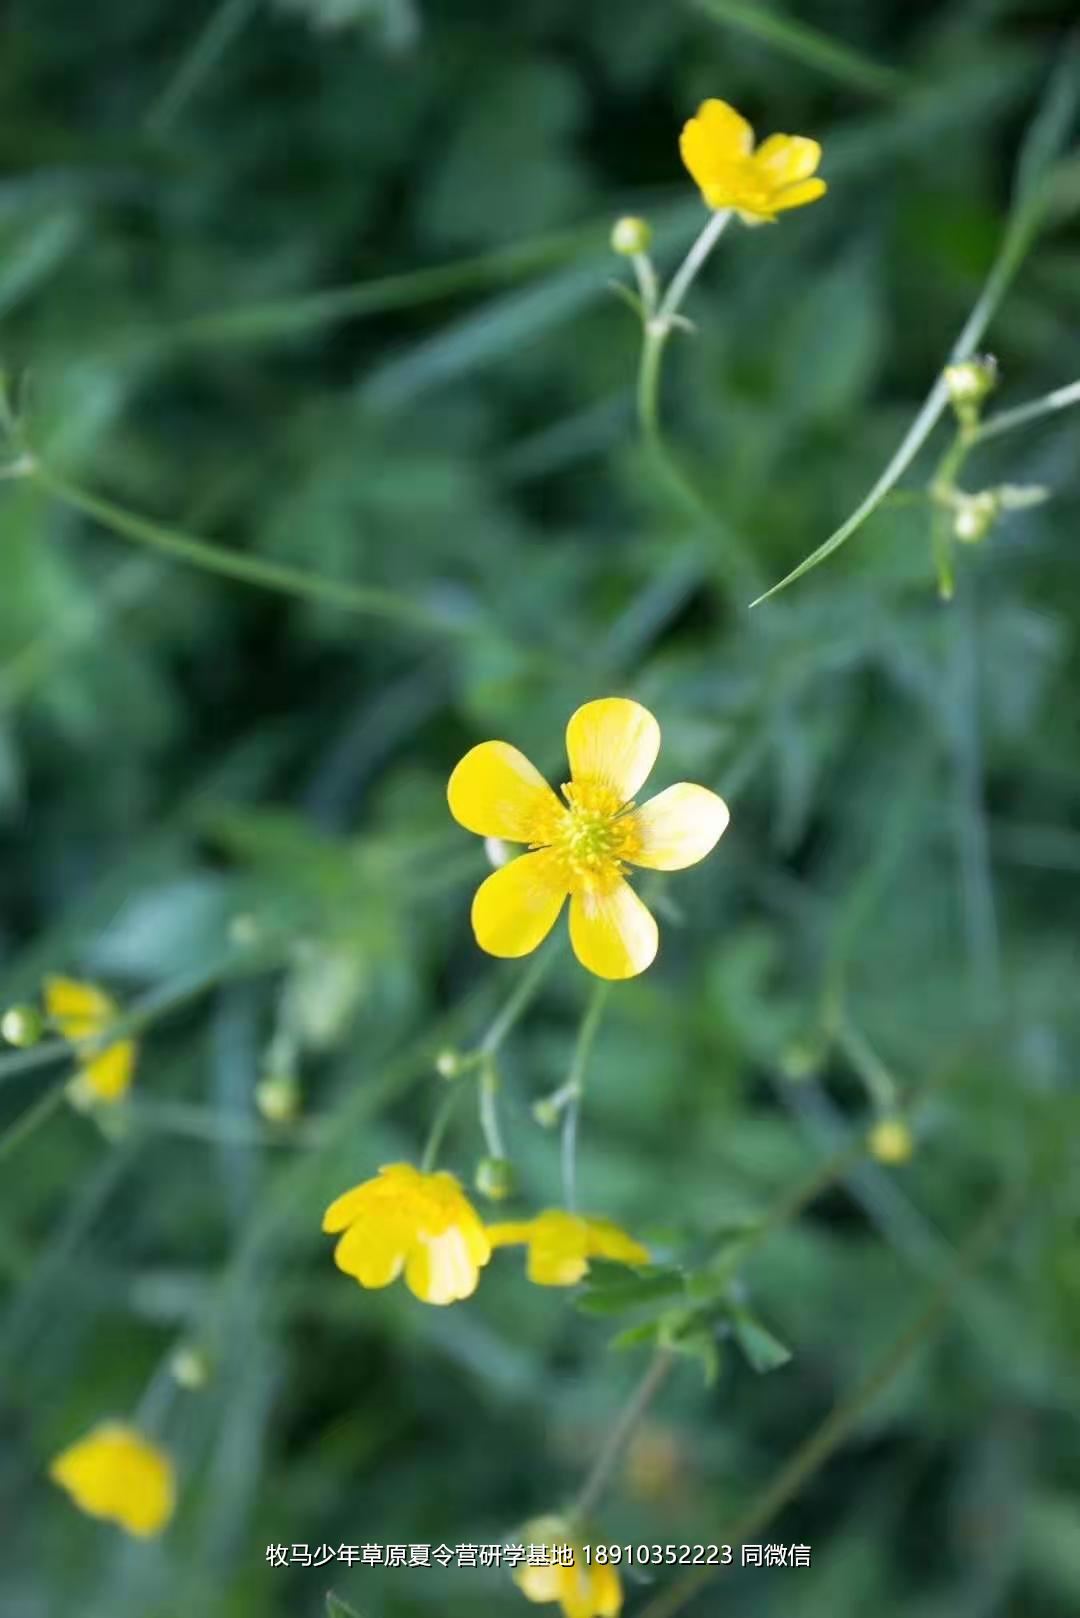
602, 1469
246, 568
574, 1089
1005, 420
439, 1124
29, 1121
517, 1003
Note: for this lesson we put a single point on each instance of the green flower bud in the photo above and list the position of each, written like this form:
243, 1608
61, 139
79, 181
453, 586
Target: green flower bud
975, 515
969, 382
630, 236
891, 1141
449, 1064
802, 1059
546, 1113
22, 1026
189, 1367
277, 1097
495, 1178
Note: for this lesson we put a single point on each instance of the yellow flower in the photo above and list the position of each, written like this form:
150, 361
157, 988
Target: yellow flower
581, 848
405, 1220
561, 1245
116, 1473
82, 1012
717, 147
583, 1590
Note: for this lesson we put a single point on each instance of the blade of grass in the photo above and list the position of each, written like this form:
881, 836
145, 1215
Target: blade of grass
810, 46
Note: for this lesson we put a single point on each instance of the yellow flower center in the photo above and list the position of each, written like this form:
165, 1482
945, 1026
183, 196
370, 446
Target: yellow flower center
591, 837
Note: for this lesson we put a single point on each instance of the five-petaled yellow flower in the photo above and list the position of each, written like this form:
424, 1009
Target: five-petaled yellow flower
80, 1011
581, 848
406, 1220
717, 147
117, 1474
561, 1244
583, 1590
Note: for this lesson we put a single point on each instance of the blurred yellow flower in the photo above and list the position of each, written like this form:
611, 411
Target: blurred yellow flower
561, 1245
116, 1473
406, 1220
717, 147
583, 1590
581, 848
80, 1011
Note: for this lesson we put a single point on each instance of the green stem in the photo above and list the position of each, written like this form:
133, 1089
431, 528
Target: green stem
439, 1124
880, 1084
517, 1003
1006, 420
813, 1453
30, 1120
600, 1473
487, 1087
246, 568
574, 1089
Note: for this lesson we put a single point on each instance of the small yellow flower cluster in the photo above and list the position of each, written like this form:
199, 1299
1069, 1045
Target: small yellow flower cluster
425, 1226
83, 1014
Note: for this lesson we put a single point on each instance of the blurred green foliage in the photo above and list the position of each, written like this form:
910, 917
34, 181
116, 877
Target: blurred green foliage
327, 282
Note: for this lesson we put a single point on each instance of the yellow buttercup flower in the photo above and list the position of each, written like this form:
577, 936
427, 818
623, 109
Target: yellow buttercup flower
583, 1590
406, 1220
561, 1244
117, 1474
717, 147
80, 1011
581, 848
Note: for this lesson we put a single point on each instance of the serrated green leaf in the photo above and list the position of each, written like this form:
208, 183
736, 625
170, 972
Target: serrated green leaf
611, 1289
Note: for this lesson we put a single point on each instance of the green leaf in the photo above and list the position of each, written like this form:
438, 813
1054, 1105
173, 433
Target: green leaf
612, 1289
763, 1351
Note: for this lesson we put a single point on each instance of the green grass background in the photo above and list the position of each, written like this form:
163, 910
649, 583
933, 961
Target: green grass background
336, 296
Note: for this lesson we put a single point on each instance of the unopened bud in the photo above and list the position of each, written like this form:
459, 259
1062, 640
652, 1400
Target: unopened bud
891, 1141
189, 1367
969, 382
802, 1059
630, 236
495, 1178
278, 1098
243, 931
449, 1064
546, 1113
22, 1026
975, 515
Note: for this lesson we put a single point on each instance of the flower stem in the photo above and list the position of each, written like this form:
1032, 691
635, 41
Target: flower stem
818, 1448
574, 1089
443, 1113
600, 1473
517, 1003
246, 568
487, 1087
1006, 420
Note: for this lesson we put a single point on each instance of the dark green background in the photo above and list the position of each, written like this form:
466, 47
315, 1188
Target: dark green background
177, 750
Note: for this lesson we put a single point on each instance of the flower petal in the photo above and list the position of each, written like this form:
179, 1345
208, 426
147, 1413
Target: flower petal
612, 743
373, 1250
441, 1269
787, 158
677, 828
516, 907
613, 934
539, 1582
607, 1240
717, 136
557, 1249
108, 1076
78, 1009
117, 1474
796, 196
496, 792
